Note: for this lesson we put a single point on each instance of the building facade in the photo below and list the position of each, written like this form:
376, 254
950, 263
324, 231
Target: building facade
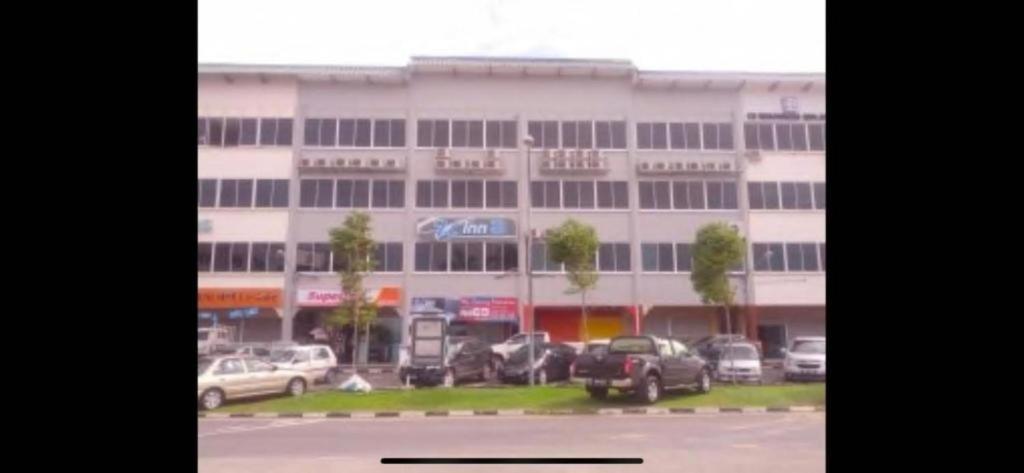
435, 152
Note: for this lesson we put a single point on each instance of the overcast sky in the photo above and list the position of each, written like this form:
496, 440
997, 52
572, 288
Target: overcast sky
717, 35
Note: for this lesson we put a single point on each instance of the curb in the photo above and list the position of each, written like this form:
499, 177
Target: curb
515, 412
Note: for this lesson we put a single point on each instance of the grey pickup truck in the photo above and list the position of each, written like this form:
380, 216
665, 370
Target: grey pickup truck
642, 365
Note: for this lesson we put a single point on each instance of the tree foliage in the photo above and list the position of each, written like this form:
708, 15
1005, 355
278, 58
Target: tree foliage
575, 244
353, 243
718, 248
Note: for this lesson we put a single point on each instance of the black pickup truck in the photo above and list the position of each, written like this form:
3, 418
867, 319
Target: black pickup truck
644, 366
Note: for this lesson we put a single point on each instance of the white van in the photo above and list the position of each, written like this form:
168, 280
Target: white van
315, 360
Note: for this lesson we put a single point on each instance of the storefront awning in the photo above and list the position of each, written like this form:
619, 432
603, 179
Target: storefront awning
235, 298
387, 296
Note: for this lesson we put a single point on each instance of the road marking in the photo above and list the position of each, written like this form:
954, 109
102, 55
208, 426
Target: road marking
250, 428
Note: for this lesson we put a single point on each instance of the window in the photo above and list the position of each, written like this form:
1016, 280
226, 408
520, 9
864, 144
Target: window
816, 135
764, 195
386, 194
432, 194
769, 257
249, 131
467, 134
765, 136
459, 191
677, 140
204, 257
467, 256
801, 257
610, 135
267, 257
545, 194
207, 192
578, 194
362, 133
276, 131
236, 193
232, 257
692, 131
204, 134
750, 140
502, 257
230, 366
821, 252
718, 136
784, 137
684, 257
431, 256
501, 194
721, 195
388, 257
695, 195
643, 136
540, 259
819, 195
612, 194
386, 133
313, 257
655, 195
232, 131
544, 133
799, 133
501, 134
271, 193
657, 257
613, 257
316, 193
796, 195
216, 131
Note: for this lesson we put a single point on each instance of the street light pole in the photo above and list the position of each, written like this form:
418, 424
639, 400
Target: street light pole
528, 141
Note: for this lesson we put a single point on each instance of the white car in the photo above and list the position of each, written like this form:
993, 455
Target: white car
314, 360
805, 359
739, 361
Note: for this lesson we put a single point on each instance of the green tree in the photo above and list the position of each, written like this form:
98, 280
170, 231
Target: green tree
353, 243
718, 248
575, 244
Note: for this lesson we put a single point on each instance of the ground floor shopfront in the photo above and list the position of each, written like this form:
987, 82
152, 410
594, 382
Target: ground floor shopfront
777, 326
253, 313
566, 323
380, 345
491, 319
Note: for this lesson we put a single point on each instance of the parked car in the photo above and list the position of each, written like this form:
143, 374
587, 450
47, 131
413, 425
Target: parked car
644, 366
551, 363
216, 340
805, 359
505, 349
228, 377
710, 348
739, 361
255, 351
317, 361
597, 346
467, 358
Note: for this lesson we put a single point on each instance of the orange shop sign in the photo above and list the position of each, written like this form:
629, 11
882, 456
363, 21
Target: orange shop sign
221, 298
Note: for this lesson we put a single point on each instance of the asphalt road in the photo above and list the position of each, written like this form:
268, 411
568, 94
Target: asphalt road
690, 443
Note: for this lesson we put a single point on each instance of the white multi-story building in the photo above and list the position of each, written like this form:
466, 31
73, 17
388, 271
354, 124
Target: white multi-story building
435, 152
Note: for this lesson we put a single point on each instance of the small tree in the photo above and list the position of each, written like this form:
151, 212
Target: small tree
353, 243
718, 248
575, 244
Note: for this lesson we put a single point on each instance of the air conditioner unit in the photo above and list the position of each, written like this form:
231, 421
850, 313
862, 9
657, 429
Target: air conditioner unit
355, 163
693, 166
456, 164
710, 167
583, 164
444, 153
320, 163
587, 153
391, 164
475, 164
561, 164
547, 165
442, 163
727, 167
550, 154
645, 166
375, 163
597, 154
340, 163
492, 164
493, 154
569, 153
660, 166
753, 155
679, 166
304, 163
597, 163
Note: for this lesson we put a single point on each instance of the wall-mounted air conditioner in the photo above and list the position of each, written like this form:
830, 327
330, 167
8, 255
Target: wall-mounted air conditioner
547, 165
726, 167
569, 154
375, 163
692, 166
475, 164
456, 164
550, 154
444, 153
442, 163
320, 163
304, 163
391, 164
710, 167
340, 163
680, 166
645, 166
493, 154
492, 164
561, 164
355, 163
660, 166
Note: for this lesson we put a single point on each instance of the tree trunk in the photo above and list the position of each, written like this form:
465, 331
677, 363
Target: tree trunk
367, 341
355, 336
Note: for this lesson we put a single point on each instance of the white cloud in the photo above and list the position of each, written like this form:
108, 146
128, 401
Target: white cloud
750, 35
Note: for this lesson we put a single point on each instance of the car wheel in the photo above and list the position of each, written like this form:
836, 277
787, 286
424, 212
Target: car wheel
704, 384
212, 399
449, 378
598, 393
650, 391
485, 372
297, 387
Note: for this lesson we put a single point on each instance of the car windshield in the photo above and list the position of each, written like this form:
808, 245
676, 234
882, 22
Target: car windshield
597, 348
631, 345
280, 356
523, 353
203, 336
204, 365
740, 352
809, 346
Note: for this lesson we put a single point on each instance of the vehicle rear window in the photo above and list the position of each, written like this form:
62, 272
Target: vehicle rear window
740, 352
808, 346
631, 345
